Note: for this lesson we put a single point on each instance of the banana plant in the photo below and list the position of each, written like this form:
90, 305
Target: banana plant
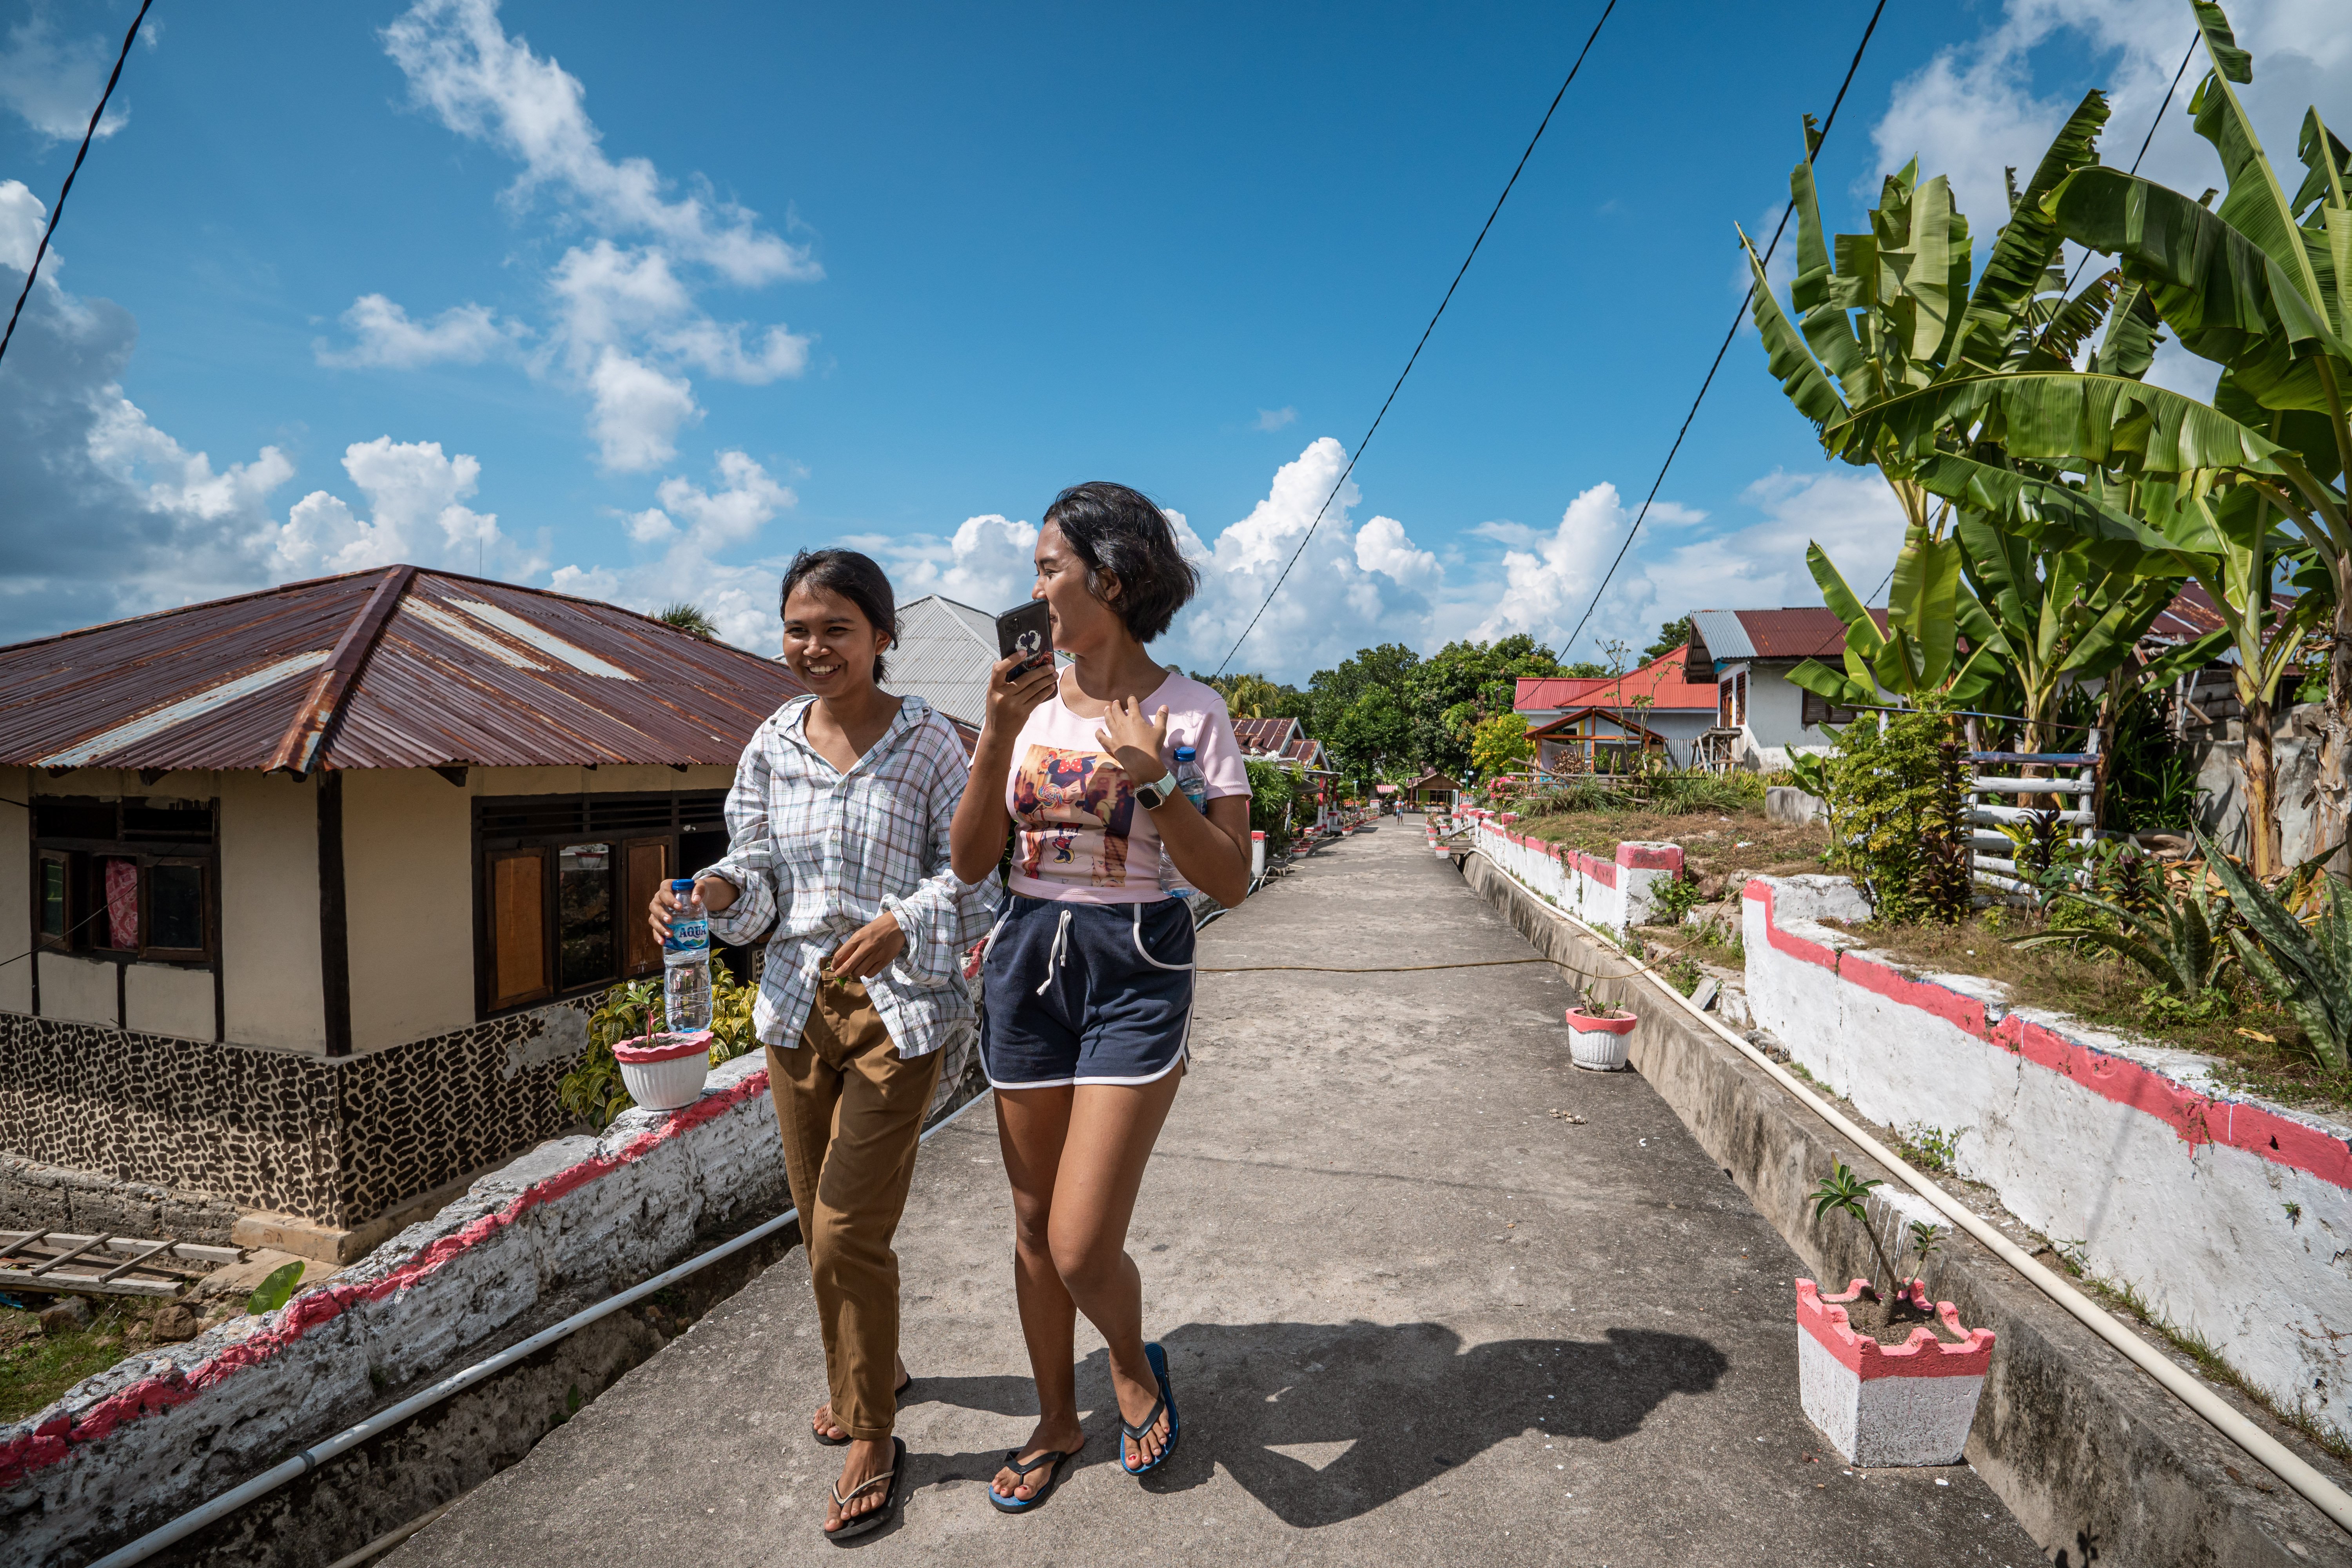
2260, 284
2307, 970
1928, 614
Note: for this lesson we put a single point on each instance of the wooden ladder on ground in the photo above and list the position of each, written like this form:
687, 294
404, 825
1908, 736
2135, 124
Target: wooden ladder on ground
86, 1265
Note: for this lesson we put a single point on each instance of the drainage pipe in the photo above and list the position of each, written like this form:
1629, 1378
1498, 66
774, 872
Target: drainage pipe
2266, 1450
316, 1454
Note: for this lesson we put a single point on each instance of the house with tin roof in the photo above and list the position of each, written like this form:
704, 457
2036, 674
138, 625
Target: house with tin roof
315, 885
1584, 724
1761, 717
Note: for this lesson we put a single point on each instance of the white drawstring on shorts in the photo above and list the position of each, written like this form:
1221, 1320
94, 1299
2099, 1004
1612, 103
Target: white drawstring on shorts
1058, 953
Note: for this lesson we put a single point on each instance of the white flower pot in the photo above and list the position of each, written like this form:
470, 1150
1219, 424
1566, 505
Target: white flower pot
1598, 1042
664, 1072
1910, 1404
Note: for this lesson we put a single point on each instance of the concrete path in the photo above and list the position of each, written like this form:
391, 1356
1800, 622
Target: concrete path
1412, 1317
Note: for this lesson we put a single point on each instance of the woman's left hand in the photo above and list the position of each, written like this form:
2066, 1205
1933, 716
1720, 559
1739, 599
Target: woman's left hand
871, 949
1135, 741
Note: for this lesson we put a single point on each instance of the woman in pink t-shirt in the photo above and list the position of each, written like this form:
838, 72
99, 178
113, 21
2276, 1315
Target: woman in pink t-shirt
1089, 995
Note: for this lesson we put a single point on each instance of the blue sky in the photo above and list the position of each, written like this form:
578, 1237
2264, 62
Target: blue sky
637, 308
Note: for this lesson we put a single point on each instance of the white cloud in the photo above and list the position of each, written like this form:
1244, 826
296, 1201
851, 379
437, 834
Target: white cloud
1548, 579
483, 84
626, 323
415, 494
988, 563
53, 83
386, 338
1277, 418
1973, 108
733, 513
637, 412
1351, 588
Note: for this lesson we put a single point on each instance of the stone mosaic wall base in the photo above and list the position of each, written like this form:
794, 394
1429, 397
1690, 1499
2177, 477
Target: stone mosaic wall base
34, 1196
335, 1141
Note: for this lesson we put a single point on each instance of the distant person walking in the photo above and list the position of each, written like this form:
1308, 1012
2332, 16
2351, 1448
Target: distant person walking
1088, 1001
838, 828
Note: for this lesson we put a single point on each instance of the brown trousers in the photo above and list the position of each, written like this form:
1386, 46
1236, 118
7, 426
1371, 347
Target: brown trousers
851, 1110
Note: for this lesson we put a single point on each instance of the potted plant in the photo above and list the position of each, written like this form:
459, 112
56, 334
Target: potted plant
664, 1071
1599, 1034
1889, 1379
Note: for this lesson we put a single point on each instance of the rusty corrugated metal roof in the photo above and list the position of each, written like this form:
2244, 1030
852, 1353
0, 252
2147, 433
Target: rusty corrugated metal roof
395, 668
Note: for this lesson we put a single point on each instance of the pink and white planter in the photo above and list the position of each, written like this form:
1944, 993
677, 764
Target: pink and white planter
1910, 1404
1613, 894
664, 1072
1599, 1043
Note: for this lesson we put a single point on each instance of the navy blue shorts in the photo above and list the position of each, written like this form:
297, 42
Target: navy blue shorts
1086, 994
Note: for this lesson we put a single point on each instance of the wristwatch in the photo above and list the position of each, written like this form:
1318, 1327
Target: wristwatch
1155, 795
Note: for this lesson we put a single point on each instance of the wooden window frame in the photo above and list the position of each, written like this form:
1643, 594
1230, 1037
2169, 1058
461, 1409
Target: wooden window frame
68, 925
684, 806
148, 951
1818, 711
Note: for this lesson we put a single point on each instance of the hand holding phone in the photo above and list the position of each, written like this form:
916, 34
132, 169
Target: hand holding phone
1026, 632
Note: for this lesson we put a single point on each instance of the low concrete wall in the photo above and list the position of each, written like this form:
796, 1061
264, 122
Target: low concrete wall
2093, 1456
1613, 894
565, 1225
2229, 1216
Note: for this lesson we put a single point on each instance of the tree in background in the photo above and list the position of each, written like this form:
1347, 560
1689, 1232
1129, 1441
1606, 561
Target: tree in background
1464, 684
1499, 745
1251, 696
689, 618
1670, 636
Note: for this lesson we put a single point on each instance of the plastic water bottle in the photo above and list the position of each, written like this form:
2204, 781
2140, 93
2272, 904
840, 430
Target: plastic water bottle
1195, 785
1190, 779
685, 961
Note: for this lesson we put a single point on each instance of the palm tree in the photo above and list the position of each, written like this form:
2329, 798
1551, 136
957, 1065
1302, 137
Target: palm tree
689, 618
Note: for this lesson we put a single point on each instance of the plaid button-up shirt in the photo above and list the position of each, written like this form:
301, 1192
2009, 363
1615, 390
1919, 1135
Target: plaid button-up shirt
817, 853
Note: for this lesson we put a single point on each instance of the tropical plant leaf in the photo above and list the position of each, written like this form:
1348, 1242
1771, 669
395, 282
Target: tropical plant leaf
1920, 605
277, 1289
1843, 601
1819, 678
2224, 296
2327, 161
1801, 377
2061, 417
2022, 252
2134, 330
2110, 537
2253, 203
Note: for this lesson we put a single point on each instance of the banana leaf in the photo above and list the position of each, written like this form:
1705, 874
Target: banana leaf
2061, 417
2015, 273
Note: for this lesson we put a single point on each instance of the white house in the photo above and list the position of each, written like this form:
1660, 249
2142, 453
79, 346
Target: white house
1759, 714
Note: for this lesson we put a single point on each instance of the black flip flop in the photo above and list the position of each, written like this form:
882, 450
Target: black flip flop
844, 1442
895, 1477
1054, 1456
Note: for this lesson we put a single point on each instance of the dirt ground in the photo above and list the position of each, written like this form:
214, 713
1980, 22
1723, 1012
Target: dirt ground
1719, 849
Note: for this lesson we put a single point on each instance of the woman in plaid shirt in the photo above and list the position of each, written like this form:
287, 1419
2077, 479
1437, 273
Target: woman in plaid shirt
838, 841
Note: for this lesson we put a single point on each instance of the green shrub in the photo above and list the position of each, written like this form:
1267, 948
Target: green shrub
1275, 801
1883, 788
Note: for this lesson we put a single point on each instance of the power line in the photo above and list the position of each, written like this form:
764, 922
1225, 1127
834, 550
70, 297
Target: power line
1424, 338
1737, 316
56, 212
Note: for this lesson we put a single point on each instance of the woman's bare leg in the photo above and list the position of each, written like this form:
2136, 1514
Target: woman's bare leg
1031, 1124
1107, 1143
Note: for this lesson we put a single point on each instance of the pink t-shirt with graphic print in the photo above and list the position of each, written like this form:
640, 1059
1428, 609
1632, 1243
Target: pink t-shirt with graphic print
1078, 832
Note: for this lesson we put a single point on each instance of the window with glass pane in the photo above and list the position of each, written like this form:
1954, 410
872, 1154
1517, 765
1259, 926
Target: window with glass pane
53, 899
176, 907
584, 891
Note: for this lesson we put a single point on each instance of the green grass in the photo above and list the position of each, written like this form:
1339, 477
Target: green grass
35, 1368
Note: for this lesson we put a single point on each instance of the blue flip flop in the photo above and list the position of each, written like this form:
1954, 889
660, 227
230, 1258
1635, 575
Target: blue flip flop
1054, 1456
1137, 1432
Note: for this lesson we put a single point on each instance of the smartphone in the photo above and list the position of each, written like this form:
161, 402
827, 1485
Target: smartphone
1026, 630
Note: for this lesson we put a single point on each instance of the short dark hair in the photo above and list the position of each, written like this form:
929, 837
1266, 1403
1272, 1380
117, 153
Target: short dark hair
855, 578
1118, 529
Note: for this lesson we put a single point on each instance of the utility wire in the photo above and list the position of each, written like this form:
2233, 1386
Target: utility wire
56, 212
1424, 338
1737, 316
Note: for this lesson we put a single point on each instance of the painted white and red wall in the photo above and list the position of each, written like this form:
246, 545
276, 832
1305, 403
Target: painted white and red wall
1611, 893
2231, 1216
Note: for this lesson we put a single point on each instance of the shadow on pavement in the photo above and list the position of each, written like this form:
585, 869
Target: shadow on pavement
1322, 1421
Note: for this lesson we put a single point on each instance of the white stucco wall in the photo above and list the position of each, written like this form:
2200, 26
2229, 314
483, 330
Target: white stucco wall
1775, 719
16, 891
2229, 1216
408, 903
162, 999
270, 990
76, 990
